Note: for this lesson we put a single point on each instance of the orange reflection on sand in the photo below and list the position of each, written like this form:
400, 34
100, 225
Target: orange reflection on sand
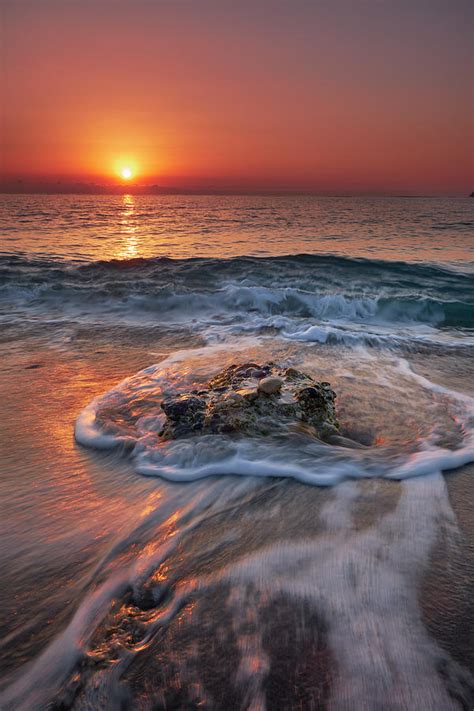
153, 502
171, 520
83, 496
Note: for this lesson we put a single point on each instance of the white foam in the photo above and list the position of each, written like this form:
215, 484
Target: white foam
242, 305
213, 455
319, 465
306, 460
88, 433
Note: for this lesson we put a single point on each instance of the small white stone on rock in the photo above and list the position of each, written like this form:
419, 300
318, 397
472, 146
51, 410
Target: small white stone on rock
270, 385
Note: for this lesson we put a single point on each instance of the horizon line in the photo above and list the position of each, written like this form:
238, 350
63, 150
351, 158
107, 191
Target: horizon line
86, 188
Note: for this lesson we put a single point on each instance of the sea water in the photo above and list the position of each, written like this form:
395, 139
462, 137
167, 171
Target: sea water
236, 573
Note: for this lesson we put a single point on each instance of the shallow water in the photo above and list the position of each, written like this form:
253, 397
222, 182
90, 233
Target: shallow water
276, 573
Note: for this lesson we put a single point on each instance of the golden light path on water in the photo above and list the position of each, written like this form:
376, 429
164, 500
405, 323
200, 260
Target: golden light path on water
129, 228
99, 227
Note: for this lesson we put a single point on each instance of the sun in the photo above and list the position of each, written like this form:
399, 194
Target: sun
126, 173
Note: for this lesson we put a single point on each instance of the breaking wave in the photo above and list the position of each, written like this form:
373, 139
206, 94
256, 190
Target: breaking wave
255, 292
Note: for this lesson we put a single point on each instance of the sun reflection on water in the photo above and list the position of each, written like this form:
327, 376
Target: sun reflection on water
128, 222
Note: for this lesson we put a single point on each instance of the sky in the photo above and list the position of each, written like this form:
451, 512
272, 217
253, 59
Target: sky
360, 96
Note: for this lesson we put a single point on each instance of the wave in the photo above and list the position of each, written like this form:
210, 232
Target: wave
326, 289
459, 225
318, 264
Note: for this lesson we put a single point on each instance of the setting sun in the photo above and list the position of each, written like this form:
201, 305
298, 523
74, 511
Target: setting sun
126, 173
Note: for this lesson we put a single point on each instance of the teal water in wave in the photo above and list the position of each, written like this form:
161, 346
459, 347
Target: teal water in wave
342, 262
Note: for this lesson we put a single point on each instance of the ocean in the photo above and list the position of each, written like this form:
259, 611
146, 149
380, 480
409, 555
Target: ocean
221, 571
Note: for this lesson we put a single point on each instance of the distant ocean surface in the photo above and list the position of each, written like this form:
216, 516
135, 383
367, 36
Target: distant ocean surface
93, 228
237, 573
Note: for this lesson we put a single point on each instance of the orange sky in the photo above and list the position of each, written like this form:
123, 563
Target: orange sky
332, 96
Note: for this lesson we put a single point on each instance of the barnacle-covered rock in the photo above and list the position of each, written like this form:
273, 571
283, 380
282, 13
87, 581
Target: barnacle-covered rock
254, 400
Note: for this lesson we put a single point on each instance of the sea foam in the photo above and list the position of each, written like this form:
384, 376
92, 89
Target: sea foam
298, 456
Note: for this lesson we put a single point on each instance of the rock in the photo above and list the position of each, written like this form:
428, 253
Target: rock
270, 385
254, 400
236, 374
186, 412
